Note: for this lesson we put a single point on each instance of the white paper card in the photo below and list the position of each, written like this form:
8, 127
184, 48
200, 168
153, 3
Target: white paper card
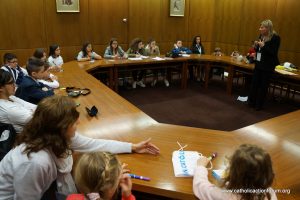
158, 58
258, 56
243, 99
184, 163
135, 58
185, 55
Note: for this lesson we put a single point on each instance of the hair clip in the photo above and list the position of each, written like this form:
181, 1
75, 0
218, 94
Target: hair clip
92, 112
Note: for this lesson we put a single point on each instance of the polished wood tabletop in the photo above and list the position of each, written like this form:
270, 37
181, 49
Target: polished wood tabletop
231, 65
280, 137
120, 120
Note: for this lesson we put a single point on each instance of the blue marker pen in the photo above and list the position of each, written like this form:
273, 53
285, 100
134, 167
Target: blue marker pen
139, 177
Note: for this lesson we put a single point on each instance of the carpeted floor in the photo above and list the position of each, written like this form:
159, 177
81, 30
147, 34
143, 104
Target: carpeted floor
197, 107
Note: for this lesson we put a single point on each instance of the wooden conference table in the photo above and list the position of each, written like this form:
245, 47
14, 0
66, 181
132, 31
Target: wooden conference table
120, 120
208, 61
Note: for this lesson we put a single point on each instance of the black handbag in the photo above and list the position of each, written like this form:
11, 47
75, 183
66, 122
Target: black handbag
7, 138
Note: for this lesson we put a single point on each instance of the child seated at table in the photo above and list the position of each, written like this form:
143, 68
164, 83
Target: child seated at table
217, 52
87, 53
11, 65
49, 79
99, 175
30, 89
40, 53
137, 49
13, 110
153, 50
251, 53
179, 49
250, 168
55, 60
114, 51
235, 54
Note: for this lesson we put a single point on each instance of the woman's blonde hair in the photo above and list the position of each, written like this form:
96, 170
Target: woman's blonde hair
269, 25
97, 172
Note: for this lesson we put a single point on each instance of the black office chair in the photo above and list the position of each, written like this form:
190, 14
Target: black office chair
7, 138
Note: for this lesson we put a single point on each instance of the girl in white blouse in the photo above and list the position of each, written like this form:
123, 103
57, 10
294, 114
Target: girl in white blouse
13, 110
87, 53
44, 151
55, 60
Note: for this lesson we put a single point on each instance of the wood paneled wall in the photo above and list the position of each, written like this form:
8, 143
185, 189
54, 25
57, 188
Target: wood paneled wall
237, 23
229, 24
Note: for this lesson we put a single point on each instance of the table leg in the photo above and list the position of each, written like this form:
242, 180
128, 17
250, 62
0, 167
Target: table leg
184, 75
230, 79
111, 80
116, 79
207, 70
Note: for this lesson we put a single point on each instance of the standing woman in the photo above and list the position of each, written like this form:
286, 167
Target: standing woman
137, 49
266, 59
197, 48
55, 60
114, 51
44, 151
87, 53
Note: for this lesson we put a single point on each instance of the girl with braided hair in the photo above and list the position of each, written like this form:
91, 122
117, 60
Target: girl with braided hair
98, 176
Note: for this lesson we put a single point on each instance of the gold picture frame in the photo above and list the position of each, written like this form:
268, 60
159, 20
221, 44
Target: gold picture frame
67, 6
177, 8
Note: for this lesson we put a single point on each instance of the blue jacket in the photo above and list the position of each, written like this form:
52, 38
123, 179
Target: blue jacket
32, 91
179, 50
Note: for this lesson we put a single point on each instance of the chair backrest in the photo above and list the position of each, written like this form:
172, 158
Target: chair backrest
7, 138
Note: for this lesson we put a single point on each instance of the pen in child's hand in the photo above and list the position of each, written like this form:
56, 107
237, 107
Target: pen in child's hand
139, 177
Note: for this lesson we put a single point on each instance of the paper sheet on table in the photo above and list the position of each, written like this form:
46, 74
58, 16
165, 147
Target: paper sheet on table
243, 99
185, 55
158, 58
184, 163
143, 57
135, 58
284, 72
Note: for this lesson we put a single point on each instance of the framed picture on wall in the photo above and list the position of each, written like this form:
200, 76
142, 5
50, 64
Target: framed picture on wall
67, 5
177, 8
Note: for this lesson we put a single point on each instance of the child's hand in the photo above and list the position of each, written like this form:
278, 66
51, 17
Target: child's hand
202, 161
53, 77
126, 185
145, 147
